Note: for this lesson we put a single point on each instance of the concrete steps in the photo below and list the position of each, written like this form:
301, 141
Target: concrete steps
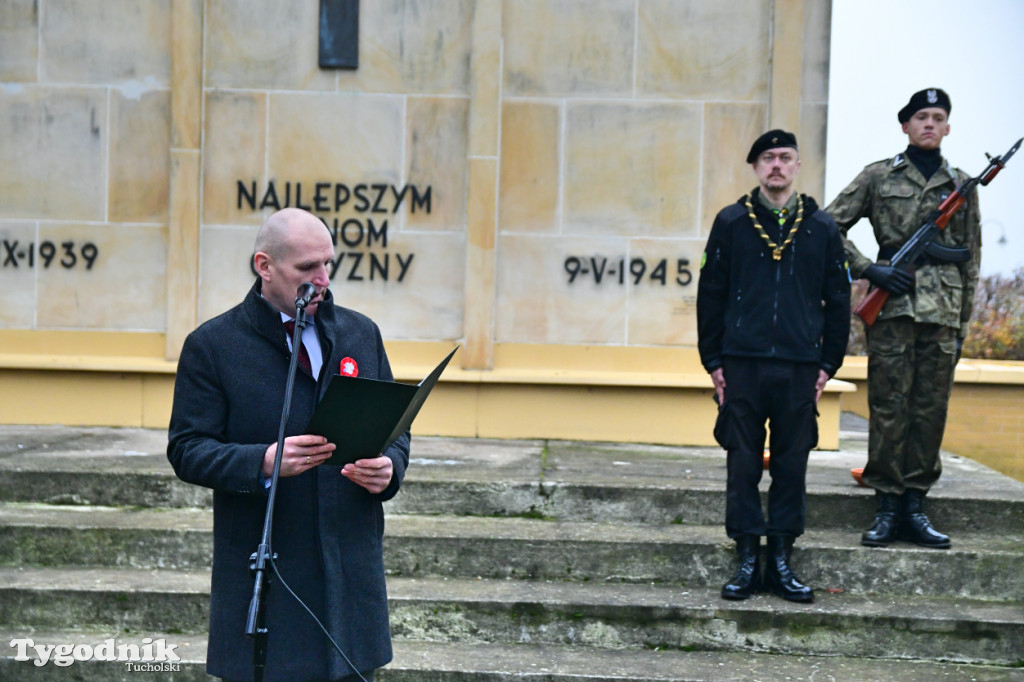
529, 561
979, 566
607, 615
533, 479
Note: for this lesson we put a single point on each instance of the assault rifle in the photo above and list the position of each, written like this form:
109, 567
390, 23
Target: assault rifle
923, 241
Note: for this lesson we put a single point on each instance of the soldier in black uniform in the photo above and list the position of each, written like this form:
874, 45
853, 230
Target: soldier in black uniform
773, 318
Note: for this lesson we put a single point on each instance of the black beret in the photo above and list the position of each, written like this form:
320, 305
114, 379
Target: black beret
932, 97
771, 140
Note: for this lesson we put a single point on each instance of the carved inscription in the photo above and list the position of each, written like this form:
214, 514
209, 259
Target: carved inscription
361, 241
637, 271
67, 254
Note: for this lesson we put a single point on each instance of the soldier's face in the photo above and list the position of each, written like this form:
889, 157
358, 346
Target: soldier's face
927, 127
776, 169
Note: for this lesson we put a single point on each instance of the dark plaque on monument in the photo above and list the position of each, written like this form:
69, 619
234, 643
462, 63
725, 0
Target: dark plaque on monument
339, 34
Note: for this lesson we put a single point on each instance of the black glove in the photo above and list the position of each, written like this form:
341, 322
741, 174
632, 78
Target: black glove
893, 280
959, 351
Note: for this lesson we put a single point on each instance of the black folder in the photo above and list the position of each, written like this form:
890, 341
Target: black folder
364, 416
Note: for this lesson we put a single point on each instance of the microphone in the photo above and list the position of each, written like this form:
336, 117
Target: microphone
306, 291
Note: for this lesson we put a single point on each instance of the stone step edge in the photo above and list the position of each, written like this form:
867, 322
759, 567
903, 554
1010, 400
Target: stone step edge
476, 527
549, 594
415, 661
827, 508
946, 494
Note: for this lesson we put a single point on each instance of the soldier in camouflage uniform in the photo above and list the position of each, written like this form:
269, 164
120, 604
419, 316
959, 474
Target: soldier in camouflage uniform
915, 344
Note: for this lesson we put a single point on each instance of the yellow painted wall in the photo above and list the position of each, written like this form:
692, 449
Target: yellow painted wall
986, 410
652, 395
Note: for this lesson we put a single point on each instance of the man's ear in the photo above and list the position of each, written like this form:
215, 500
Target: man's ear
261, 263
905, 126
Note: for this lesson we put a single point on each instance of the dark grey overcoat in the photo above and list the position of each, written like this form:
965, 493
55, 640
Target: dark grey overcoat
327, 531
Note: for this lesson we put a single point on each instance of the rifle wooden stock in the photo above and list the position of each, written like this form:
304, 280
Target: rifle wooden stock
869, 308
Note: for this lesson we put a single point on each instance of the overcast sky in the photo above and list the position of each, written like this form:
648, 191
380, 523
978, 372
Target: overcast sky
885, 50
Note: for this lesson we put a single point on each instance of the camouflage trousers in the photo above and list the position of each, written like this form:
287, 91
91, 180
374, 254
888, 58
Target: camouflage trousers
910, 376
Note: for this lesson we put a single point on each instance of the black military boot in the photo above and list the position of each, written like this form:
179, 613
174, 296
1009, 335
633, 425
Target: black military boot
885, 528
915, 526
778, 576
747, 579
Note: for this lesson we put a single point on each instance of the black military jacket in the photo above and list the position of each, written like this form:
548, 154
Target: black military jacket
750, 305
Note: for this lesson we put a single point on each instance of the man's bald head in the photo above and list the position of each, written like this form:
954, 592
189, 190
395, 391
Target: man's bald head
272, 237
292, 246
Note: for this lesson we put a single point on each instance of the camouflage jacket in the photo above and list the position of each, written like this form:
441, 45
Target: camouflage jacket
896, 199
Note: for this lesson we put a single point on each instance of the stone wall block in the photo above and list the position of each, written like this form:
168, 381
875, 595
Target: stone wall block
413, 289
787, 64
264, 44
186, 73
139, 157
568, 48
485, 79
335, 138
18, 275
413, 46
817, 41
19, 36
234, 149
537, 303
480, 265
182, 249
662, 279
812, 139
436, 148
695, 49
529, 167
73, 295
53, 151
632, 169
729, 131
225, 267
106, 41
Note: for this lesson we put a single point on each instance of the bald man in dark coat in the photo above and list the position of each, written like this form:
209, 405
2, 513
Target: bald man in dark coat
328, 520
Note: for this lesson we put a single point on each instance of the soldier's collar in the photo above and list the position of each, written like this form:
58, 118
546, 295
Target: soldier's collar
763, 201
900, 160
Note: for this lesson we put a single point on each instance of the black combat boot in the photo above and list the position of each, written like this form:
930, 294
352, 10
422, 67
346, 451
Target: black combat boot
778, 576
747, 579
915, 526
886, 526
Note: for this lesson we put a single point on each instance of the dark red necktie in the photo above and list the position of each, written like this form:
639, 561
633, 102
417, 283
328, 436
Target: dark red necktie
303, 355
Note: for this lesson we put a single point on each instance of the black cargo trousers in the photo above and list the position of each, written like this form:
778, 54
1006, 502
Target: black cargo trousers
781, 393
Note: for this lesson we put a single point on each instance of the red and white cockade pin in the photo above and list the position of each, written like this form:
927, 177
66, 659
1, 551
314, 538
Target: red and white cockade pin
349, 368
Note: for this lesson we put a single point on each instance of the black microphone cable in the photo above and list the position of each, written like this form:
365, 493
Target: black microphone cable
312, 615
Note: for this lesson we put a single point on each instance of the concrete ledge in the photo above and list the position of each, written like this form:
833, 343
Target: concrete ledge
968, 371
87, 363
601, 393
668, 367
411, 361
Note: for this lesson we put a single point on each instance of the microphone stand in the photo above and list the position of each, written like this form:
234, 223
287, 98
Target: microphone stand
255, 624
